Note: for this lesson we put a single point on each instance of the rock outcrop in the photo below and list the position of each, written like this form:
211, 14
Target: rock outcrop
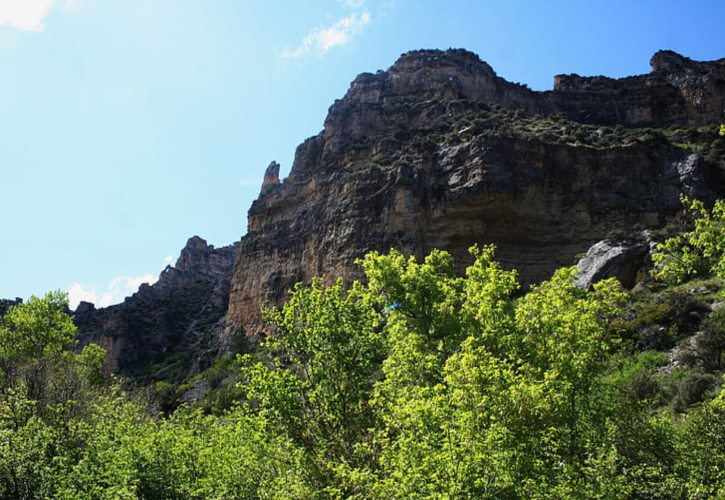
622, 259
439, 152
6, 304
175, 320
678, 91
271, 177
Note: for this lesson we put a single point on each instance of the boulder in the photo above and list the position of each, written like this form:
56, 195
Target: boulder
605, 259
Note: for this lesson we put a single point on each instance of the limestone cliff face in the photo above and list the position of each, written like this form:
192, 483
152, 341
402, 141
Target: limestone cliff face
439, 152
180, 313
678, 91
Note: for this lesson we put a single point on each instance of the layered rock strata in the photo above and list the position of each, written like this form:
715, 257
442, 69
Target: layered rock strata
430, 154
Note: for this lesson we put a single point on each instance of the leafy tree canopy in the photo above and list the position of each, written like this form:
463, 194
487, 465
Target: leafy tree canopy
697, 252
38, 327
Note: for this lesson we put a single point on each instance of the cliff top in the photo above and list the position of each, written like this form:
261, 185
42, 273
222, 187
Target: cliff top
469, 75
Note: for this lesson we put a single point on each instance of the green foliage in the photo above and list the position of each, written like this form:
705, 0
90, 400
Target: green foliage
662, 318
118, 451
35, 360
514, 399
634, 378
696, 252
91, 361
25, 443
105, 468
692, 389
417, 383
710, 344
37, 328
701, 450
326, 353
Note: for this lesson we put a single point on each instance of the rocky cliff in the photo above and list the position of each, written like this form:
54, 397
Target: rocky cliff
440, 152
6, 304
171, 325
678, 91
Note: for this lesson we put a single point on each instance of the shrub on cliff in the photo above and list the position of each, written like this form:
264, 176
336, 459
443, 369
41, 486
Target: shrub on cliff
696, 252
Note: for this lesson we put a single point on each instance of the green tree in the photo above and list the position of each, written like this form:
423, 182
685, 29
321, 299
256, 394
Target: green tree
430, 313
701, 453
697, 252
323, 361
37, 328
487, 395
35, 353
417, 383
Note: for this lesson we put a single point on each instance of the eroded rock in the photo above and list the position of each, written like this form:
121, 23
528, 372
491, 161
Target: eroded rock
181, 314
622, 259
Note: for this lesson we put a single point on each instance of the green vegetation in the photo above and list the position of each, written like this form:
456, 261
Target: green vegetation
462, 121
695, 252
415, 383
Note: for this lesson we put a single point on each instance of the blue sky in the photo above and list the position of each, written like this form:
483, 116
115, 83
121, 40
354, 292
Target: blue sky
127, 126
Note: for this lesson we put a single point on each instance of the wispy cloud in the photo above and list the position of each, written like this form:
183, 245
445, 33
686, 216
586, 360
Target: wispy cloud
118, 289
28, 15
321, 39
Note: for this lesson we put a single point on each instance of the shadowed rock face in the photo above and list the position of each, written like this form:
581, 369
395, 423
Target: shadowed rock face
678, 91
412, 158
182, 311
6, 304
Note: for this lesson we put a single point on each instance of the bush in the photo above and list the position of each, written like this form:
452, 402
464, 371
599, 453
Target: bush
693, 388
710, 343
697, 252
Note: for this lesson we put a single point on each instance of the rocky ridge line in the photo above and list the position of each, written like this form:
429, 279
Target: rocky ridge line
179, 315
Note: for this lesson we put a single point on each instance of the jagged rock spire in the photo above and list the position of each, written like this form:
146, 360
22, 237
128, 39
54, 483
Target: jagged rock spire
271, 177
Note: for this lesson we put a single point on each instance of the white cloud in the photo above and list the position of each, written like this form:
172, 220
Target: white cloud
118, 289
28, 15
169, 260
321, 40
78, 293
